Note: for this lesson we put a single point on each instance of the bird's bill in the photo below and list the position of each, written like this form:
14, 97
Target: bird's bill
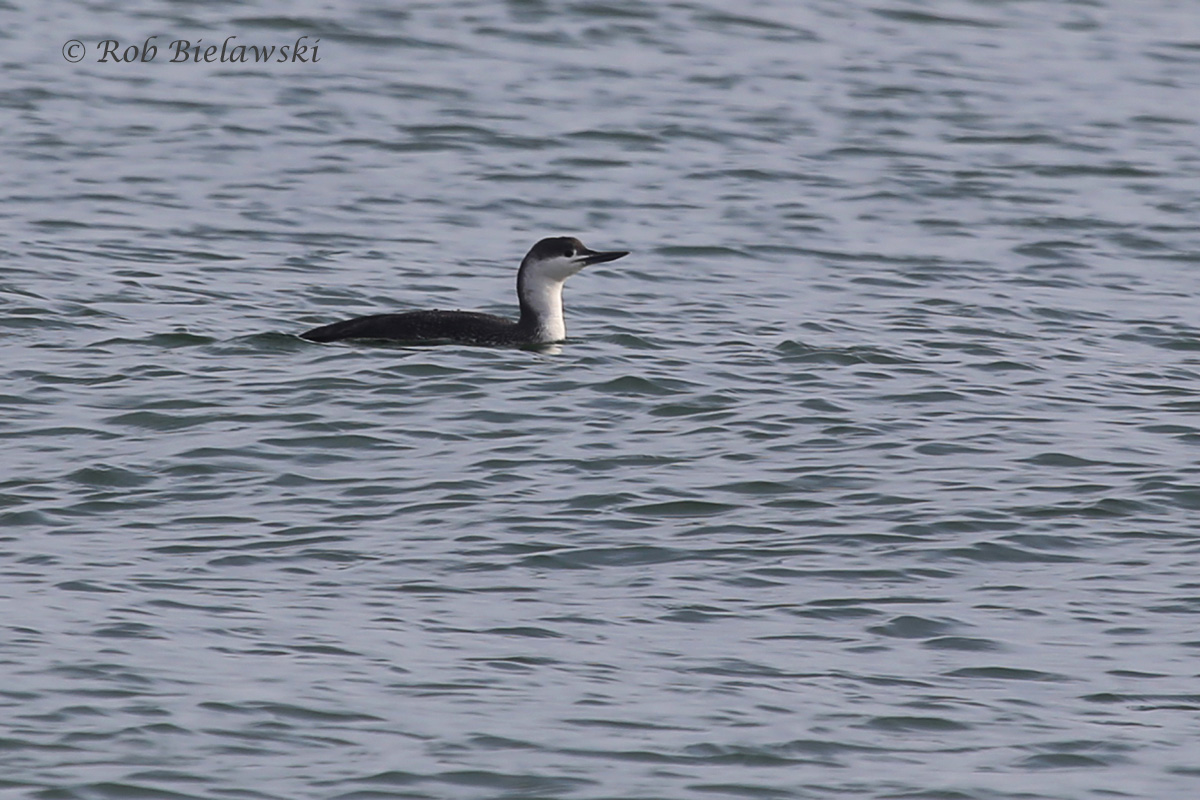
595, 257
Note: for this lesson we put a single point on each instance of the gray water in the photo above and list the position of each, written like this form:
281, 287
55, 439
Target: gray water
871, 473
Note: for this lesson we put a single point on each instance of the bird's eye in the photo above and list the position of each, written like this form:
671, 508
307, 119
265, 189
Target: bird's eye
569, 252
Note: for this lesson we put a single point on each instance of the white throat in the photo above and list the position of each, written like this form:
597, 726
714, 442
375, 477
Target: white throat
543, 296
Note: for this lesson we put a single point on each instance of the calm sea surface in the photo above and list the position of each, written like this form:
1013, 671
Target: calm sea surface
873, 472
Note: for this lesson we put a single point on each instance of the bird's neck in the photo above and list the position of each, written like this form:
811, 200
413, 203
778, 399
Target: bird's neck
542, 308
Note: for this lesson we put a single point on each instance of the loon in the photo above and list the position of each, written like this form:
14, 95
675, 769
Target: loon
540, 280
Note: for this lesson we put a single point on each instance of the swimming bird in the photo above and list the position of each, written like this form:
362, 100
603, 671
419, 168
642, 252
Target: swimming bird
540, 280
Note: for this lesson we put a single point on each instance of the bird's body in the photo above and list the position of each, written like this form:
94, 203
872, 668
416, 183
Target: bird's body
471, 327
539, 291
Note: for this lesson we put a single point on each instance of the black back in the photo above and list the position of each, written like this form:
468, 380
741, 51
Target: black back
424, 326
